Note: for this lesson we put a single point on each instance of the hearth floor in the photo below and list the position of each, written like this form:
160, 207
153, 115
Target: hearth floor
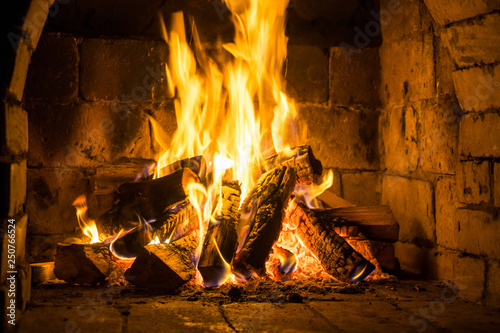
263, 306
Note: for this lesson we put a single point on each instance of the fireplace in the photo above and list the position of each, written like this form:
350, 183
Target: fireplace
399, 100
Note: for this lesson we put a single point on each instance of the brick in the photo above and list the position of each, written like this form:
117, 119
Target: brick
437, 137
411, 201
338, 10
307, 74
492, 294
466, 273
43, 247
362, 188
413, 258
98, 18
399, 137
401, 18
13, 176
496, 184
149, 317
445, 65
89, 134
55, 62
354, 79
91, 314
446, 205
212, 19
478, 88
449, 11
474, 182
478, 233
412, 76
51, 193
123, 69
479, 135
476, 43
342, 138
13, 130
18, 57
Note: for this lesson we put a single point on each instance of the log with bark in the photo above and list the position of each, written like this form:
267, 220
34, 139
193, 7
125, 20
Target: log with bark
149, 199
175, 223
221, 240
264, 210
83, 263
301, 159
317, 232
165, 267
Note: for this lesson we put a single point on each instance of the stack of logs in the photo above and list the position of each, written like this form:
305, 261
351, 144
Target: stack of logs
238, 239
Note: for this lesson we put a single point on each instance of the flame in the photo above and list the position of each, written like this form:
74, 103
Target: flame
87, 225
223, 110
309, 193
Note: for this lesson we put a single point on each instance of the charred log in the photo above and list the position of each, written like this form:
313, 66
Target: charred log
317, 232
301, 159
265, 206
175, 223
83, 263
148, 199
165, 267
221, 239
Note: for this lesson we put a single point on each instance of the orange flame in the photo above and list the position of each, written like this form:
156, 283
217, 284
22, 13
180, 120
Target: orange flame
87, 225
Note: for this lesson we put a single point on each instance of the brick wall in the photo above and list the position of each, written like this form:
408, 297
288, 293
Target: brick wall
440, 138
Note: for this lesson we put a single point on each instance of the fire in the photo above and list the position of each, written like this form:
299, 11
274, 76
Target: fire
221, 110
87, 225
223, 114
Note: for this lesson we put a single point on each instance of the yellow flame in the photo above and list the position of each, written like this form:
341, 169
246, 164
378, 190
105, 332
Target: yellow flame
155, 241
234, 114
87, 225
311, 192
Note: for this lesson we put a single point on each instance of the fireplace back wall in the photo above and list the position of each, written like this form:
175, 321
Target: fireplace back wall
403, 107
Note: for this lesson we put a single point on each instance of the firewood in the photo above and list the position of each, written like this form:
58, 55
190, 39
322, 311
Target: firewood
317, 232
221, 239
301, 159
175, 223
148, 199
265, 206
42, 272
110, 176
197, 164
165, 267
82, 263
131, 242
374, 222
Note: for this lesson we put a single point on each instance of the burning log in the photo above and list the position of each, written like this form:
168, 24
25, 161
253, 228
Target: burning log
197, 164
265, 205
301, 159
175, 223
221, 240
148, 199
165, 267
317, 232
83, 263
